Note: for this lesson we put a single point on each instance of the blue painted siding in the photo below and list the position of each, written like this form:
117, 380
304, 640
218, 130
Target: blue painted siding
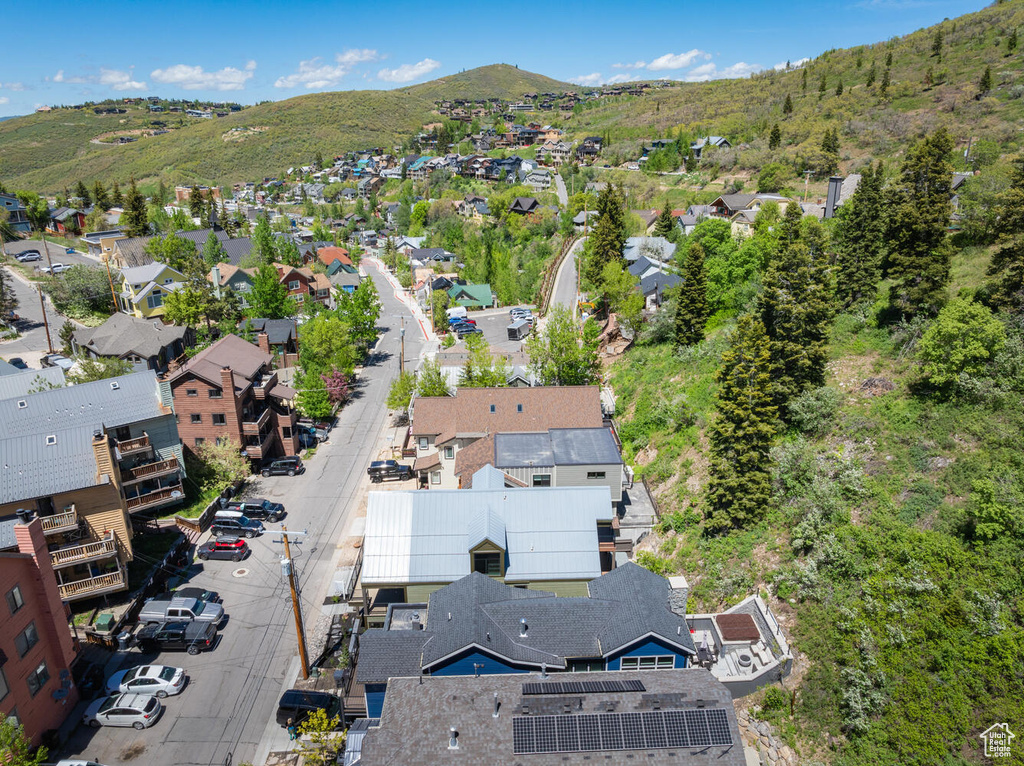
462, 665
374, 694
647, 648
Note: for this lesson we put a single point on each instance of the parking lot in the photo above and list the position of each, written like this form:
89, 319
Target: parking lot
494, 323
57, 252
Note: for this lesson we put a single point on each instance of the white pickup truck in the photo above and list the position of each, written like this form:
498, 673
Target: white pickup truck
180, 610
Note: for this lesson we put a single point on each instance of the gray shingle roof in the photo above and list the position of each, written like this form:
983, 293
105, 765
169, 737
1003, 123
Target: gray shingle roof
123, 334
236, 249
385, 654
279, 331
658, 282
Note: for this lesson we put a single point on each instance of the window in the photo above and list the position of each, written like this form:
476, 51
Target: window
660, 662
487, 563
14, 599
196, 417
191, 392
449, 453
595, 474
423, 442
155, 301
4, 688
199, 440
286, 432
37, 678
168, 280
25, 640
293, 285
215, 393
542, 480
435, 477
219, 419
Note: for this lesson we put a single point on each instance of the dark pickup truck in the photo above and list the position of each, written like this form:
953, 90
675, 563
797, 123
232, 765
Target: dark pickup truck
192, 637
380, 470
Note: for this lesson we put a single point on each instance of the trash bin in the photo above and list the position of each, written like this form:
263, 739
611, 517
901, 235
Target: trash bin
122, 641
104, 622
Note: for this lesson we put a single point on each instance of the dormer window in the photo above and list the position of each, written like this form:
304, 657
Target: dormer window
492, 409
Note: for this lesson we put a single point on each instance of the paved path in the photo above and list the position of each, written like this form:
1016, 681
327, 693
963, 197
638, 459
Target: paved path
564, 289
31, 345
563, 196
226, 714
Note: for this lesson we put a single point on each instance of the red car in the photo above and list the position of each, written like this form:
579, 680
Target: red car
229, 548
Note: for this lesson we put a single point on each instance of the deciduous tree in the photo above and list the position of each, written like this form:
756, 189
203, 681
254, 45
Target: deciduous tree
268, 298
15, 746
89, 369
559, 356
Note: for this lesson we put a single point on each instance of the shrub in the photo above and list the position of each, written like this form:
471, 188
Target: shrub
774, 699
654, 563
963, 339
814, 411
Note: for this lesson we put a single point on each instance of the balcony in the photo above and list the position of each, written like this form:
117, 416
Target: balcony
94, 586
259, 449
158, 497
134, 446
149, 471
66, 521
253, 427
264, 384
79, 554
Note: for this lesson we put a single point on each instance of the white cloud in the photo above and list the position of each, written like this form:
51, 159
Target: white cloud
792, 64
710, 71
741, 69
315, 73
11, 86
617, 78
408, 72
594, 78
634, 65
119, 80
4, 100
61, 77
195, 78
677, 60
702, 73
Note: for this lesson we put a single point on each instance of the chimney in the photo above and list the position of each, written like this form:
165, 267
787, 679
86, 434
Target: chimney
678, 592
215, 278
106, 462
453, 738
522, 627
263, 341
227, 382
24, 515
835, 186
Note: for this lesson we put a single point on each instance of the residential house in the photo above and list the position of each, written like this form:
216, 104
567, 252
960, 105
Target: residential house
304, 285
126, 252
444, 425
94, 242
841, 189
583, 219
224, 276
471, 296
229, 390
524, 205
678, 717
482, 625
728, 205
538, 180
66, 220
85, 458
653, 287
143, 342
653, 248
536, 538
431, 256
644, 266
370, 187
311, 192
182, 194
17, 217
277, 337
330, 255
716, 142
558, 457
345, 281
589, 149
35, 641
144, 288
686, 221
555, 152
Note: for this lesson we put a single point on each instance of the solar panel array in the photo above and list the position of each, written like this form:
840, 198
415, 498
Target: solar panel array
654, 729
583, 687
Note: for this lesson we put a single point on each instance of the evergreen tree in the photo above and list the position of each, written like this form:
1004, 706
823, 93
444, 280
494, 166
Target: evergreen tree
888, 60
803, 79
1007, 264
161, 193
985, 85
919, 208
937, 44
739, 482
830, 151
822, 86
135, 219
858, 241
263, 241
609, 235
839, 88
929, 78
692, 304
100, 198
1011, 42
665, 224
883, 89
872, 75
213, 250
789, 229
268, 298
84, 199
775, 137
8, 296
787, 105
796, 309
116, 198
195, 202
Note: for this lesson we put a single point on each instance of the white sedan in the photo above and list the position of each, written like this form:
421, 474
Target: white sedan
155, 680
139, 711
57, 268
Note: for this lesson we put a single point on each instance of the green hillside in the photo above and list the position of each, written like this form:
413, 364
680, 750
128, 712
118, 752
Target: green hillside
497, 80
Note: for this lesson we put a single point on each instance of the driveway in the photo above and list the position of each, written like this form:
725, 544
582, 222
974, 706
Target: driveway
225, 714
564, 289
563, 196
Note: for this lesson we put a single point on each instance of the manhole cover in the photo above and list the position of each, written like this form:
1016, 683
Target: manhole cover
243, 572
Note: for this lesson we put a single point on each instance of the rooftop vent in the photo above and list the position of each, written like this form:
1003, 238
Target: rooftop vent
519, 408
453, 738
51, 440
492, 408
22, 404
114, 385
522, 627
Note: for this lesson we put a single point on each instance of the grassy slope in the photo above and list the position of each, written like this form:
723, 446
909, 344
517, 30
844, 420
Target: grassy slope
48, 151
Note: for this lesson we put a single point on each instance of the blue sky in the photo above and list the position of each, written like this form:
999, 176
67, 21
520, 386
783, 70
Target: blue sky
63, 52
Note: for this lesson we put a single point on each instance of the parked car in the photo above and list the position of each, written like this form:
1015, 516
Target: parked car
320, 425
297, 704
156, 680
69, 251
380, 470
17, 361
56, 268
58, 360
28, 255
235, 524
180, 609
139, 711
193, 637
462, 332
284, 466
224, 548
257, 508
200, 594
460, 320
519, 310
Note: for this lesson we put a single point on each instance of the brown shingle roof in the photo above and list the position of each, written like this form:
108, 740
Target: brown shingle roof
244, 359
471, 459
542, 407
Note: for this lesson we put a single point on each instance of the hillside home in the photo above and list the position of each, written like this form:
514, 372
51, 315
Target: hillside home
444, 425
225, 276
66, 220
231, 391
145, 343
716, 142
17, 217
538, 180
144, 288
728, 205
277, 337
480, 626
95, 244
524, 205
471, 296
652, 248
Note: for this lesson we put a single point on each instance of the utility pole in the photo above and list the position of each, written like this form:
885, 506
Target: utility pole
288, 569
46, 249
110, 279
807, 177
46, 322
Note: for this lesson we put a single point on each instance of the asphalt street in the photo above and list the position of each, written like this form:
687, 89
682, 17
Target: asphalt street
564, 289
228, 707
